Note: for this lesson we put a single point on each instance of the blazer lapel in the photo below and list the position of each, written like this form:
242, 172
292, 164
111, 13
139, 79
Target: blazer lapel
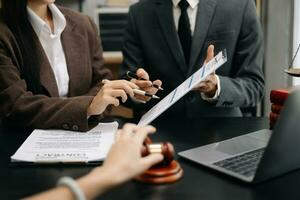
48, 80
165, 16
73, 44
206, 9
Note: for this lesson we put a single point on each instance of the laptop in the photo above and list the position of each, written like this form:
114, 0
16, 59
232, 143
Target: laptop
259, 155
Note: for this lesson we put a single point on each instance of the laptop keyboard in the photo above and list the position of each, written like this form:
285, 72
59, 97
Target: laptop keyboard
245, 164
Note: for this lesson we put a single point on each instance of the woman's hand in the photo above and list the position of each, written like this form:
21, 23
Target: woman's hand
110, 94
124, 161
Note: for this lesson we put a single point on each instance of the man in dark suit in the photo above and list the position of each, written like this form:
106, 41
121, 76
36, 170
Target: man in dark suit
170, 39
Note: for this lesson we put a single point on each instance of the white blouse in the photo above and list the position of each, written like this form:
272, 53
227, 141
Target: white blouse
51, 43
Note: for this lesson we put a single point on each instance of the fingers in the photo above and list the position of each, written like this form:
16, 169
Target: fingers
151, 160
210, 78
157, 82
127, 86
153, 90
139, 134
128, 130
144, 80
209, 86
120, 83
111, 101
111, 96
119, 93
118, 134
142, 74
210, 53
141, 98
203, 87
142, 133
142, 83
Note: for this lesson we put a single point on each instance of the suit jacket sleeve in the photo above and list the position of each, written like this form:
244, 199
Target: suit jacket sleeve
132, 50
133, 54
246, 86
23, 109
99, 72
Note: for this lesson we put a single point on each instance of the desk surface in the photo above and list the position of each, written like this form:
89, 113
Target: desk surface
198, 182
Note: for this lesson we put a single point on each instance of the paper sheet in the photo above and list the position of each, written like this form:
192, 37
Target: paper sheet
46, 146
183, 88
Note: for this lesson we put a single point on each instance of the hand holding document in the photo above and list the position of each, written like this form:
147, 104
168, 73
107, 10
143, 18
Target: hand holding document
184, 88
58, 146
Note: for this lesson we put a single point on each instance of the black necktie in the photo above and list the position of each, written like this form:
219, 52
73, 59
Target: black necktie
184, 30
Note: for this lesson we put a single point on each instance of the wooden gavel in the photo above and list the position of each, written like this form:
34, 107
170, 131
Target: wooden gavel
167, 171
166, 149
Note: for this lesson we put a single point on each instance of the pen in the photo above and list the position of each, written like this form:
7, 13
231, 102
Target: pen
141, 92
133, 75
137, 91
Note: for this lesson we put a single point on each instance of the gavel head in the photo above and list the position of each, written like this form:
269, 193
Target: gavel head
166, 149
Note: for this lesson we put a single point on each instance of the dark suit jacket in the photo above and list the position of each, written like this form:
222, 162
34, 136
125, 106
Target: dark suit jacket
152, 42
20, 108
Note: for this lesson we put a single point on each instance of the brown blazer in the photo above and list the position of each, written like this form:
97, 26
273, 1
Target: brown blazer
20, 108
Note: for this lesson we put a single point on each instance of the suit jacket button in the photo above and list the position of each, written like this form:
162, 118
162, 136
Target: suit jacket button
66, 126
75, 128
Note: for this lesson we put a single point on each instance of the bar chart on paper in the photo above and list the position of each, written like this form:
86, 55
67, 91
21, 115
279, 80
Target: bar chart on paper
184, 88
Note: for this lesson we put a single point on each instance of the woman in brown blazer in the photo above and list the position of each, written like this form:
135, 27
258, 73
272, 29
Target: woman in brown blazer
50, 77
51, 68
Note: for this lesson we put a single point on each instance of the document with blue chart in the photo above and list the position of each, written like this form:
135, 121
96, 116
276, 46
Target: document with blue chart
184, 88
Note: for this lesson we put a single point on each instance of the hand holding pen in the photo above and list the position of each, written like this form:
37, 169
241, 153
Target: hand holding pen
111, 93
136, 91
132, 75
141, 79
114, 92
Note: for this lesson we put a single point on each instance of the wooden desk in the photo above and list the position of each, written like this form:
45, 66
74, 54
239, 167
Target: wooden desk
113, 57
113, 61
198, 182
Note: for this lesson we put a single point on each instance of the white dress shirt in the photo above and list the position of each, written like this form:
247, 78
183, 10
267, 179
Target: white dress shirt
192, 13
51, 43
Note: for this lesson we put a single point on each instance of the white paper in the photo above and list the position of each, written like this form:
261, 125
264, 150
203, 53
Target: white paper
46, 146
183, 88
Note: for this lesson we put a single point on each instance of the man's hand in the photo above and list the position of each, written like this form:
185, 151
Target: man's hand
145, 84
210, 85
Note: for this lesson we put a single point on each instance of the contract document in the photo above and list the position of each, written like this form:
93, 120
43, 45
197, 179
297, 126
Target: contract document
57, 146
184, 88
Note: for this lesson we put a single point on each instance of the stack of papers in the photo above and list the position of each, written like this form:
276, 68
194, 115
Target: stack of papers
57, 146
